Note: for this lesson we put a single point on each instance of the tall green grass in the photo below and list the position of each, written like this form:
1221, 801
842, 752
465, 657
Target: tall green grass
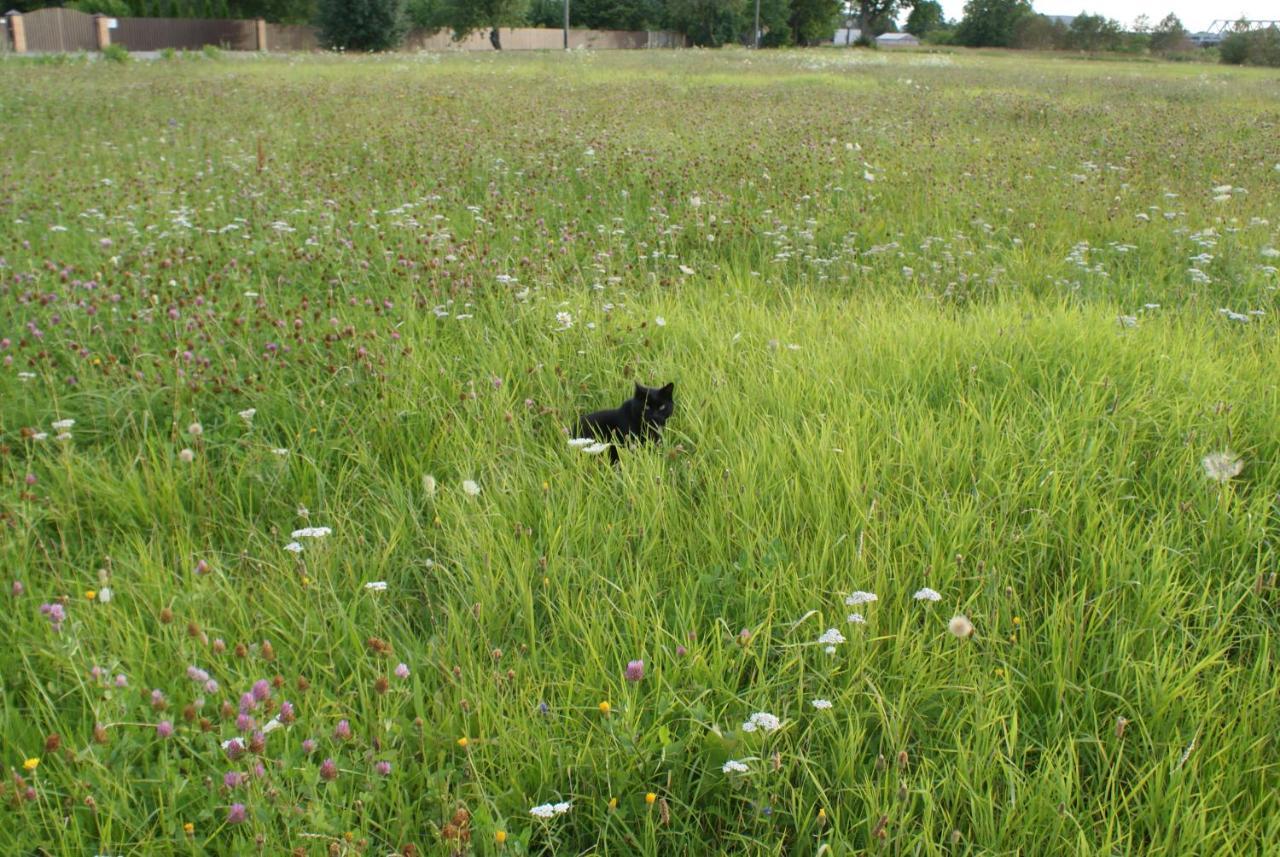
920, 337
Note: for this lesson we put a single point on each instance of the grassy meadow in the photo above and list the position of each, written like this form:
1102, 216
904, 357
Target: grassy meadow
296, 558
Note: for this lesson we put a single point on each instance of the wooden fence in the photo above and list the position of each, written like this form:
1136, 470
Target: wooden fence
191, 34
55, 30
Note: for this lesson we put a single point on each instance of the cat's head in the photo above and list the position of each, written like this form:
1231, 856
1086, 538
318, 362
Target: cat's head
659, 403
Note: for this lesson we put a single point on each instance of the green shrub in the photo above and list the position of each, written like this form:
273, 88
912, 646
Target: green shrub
168, 54
361, 25
115, 53
211, 52
1252, 47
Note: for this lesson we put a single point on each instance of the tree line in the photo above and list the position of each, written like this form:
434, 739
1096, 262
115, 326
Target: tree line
380, 24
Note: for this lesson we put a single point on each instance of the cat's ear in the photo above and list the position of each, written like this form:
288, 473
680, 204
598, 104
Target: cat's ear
668, 390
641, 391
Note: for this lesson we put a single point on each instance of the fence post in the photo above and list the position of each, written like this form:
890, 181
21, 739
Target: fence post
17, 31
261, 24
102, 30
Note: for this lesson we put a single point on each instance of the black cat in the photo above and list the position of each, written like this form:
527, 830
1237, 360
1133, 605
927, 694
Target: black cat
640, 417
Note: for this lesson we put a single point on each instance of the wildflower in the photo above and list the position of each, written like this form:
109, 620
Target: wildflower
310, 533
686, 270
613, 804
164, 728
681, 651
195, 429
1222, 466
376, 586
596, 448
635, 671
650, 797
17, 589
926, 594
860, 597
831, 637
470, 488
329, 770
550, 810
605, 707
856, 619
402, 671
383, 768
233, 748
31, 764
960, 626
733, 766
56, 613
233, 779
247, 415
237, 814
186, 456
309, 746
189, 829
343, 730
565, 320
287, 713
105, 595
500, 836
463, 742
294, 547
261, 689
581, 442
660, 321
62, 425
280, 451
90, 594
429, 485
821, 704
762, 720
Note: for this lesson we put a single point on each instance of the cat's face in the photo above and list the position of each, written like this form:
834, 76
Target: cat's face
659, 403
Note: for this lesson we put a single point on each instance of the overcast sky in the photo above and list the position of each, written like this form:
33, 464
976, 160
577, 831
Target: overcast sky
1195, 14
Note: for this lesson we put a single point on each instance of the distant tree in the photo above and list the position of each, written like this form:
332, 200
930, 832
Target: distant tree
429, 15
926, 15
612, 14
1141, 24
990, 23
1038, 33
1169, 35
468, 16
1251, 47
811, 21
710, 23
361, 25
874, 17
1094, 33
775, 23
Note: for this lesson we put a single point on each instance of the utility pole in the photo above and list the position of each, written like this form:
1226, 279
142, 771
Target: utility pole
566, 24
757, 23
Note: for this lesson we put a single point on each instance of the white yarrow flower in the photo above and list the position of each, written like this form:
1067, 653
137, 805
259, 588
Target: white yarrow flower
247, 415
861, 597
926, 594
831, 637
733, 766
821, 704
596, 448
310, 533
565, 320
62, 425
581, 442
376, 586
550, 810
470, 488
429, 485
856, 619
294, 547
762, 720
